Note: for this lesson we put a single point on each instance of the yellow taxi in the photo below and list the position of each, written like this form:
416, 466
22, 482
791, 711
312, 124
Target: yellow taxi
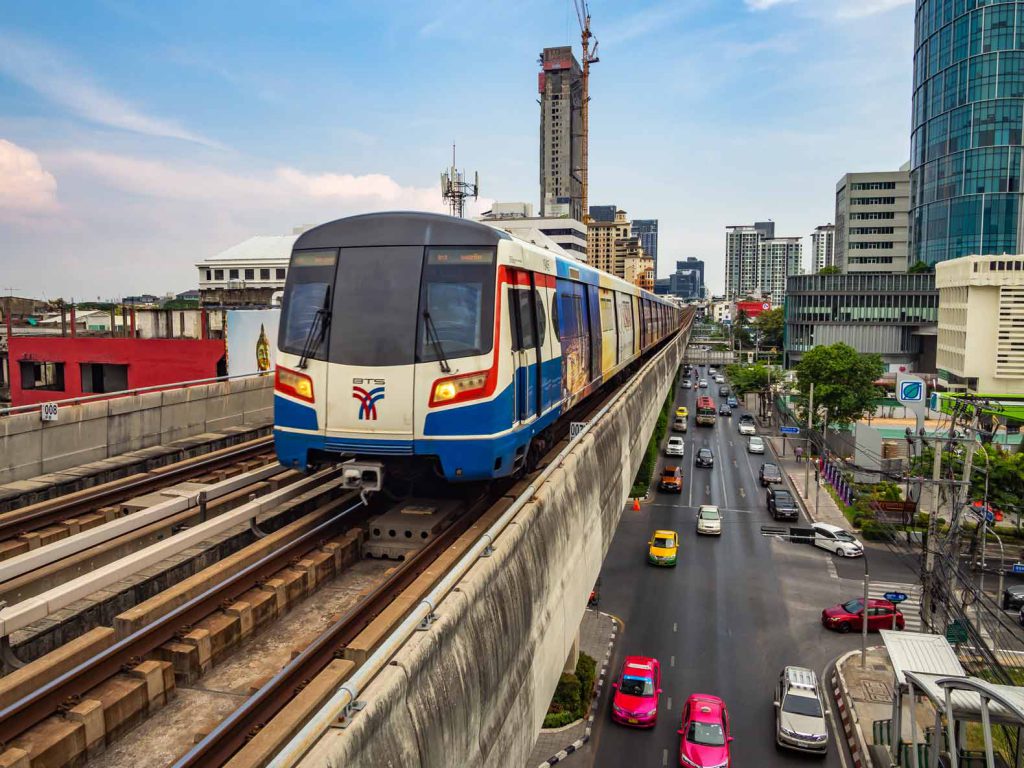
682, 412
663, 548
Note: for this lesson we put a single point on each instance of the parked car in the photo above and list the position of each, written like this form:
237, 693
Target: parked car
724, 410
1013, 597
705, 739
781, 504
733, 402
675, 447
835, 539
705, 458
680, 424
671, 479
755, 444
848, 616
663, 548
800, 712
709, 520
769, 474
636, 692
746, 425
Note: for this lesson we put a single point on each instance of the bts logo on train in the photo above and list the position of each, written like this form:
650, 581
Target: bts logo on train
368, 398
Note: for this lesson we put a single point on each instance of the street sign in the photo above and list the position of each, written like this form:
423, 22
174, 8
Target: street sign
956, 632
895, 597
48, 411
575, 427
789, 430
1018, 568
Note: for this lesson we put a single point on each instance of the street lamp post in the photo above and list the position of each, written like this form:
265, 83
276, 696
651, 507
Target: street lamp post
864, 616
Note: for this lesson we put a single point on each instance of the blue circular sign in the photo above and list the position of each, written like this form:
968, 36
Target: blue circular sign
895, 597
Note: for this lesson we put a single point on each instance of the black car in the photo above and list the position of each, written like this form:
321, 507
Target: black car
1013, 597
724, 410
705, 458
769, 474
781, 504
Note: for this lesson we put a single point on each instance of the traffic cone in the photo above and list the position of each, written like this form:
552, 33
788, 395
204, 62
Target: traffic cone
636, 505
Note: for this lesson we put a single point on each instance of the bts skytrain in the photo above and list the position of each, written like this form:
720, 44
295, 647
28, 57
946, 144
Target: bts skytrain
421, 342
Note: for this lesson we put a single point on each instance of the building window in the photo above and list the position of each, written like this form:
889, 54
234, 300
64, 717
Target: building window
232, 274
264, 274
280, 273
250, 274
218, 274
104, 377
209, 275
42, 375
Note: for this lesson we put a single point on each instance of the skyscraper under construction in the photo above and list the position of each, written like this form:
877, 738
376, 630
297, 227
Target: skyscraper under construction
560, 84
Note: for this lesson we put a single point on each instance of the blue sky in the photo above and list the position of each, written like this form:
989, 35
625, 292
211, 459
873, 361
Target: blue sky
139, 138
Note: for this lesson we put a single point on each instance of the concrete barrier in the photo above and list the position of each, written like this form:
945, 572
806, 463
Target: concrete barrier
473, 688
99, 430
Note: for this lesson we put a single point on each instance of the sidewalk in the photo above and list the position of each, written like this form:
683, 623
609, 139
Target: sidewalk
597, 639
864, 707
818, 503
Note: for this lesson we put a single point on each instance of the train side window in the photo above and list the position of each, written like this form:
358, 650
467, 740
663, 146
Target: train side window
525, 318
513, 316
554, 317
542, 317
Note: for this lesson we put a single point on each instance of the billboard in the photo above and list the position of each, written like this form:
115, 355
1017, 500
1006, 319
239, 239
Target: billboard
752, 308
251, 340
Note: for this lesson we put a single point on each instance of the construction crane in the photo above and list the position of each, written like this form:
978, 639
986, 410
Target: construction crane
589, 57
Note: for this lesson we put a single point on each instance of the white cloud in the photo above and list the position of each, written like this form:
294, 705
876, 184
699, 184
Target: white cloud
46, 72
25, 187
856, 9
764, 5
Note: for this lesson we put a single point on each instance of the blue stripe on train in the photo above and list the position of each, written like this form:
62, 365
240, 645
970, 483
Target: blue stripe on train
288, 413
478, 458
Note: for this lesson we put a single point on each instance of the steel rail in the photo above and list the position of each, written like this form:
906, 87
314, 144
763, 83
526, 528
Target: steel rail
232, 733
50, 511
21, 715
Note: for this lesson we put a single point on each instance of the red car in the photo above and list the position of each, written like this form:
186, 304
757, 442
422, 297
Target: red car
636, 692
850, 615
705, 733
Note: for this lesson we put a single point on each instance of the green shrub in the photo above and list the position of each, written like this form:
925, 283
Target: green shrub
558, 719
872, 530
642, 481
567, 695
586, 672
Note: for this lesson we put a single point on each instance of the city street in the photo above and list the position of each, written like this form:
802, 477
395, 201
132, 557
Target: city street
732, 613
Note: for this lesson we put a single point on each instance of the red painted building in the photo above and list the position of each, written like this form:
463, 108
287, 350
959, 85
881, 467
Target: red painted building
752, 308
46, 368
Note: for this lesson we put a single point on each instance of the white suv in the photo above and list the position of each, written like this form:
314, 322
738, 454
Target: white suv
835, 539
675, 447
746, 425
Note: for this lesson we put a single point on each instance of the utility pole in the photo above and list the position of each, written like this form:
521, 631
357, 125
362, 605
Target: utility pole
807, 443
930, 537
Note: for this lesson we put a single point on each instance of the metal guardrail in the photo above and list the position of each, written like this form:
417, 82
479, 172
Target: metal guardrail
129, 392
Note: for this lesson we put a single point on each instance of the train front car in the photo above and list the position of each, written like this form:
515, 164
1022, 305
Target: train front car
393, 354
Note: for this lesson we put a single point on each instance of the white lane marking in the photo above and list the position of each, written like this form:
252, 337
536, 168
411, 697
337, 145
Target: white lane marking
675, 627
725, 495
669, 704
832, 572
730, 443
664, 757
743, 493
693, 465
671, 661
707, 490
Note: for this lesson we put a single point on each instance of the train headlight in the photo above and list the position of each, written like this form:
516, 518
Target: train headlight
459, 388
295, 384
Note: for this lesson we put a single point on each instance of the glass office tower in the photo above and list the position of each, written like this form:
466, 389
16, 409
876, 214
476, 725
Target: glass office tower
966, 143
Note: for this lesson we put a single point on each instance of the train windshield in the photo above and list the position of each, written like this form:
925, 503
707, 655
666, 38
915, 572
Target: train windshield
458, 298
306, 302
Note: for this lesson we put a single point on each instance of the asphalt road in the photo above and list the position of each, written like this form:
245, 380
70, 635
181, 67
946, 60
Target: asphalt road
732, 613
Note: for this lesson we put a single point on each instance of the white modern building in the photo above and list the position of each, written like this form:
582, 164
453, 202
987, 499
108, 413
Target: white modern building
759, 263
981, 324
823, 241
247, 274
549, 232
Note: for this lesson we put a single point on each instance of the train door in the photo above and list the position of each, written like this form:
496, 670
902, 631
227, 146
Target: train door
525, 346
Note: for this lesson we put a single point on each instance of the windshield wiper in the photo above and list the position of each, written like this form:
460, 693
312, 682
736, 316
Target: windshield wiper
317, 330
435, 342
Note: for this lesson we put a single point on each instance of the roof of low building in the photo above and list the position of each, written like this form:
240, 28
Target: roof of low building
273, 248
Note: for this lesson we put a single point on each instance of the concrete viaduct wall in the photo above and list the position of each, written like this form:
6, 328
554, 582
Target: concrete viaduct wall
94, 431
474, 688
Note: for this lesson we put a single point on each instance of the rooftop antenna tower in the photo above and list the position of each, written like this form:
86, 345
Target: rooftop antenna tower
455, 189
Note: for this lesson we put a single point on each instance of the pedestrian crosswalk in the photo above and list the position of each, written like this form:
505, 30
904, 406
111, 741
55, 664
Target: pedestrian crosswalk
911, 609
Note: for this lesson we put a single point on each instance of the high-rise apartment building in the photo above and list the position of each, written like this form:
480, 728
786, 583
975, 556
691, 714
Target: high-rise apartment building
779, 259
742, 257
687, 282
872, 217
613, 248
603, 212
647, 231
561, 141
823, 240
967, 118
